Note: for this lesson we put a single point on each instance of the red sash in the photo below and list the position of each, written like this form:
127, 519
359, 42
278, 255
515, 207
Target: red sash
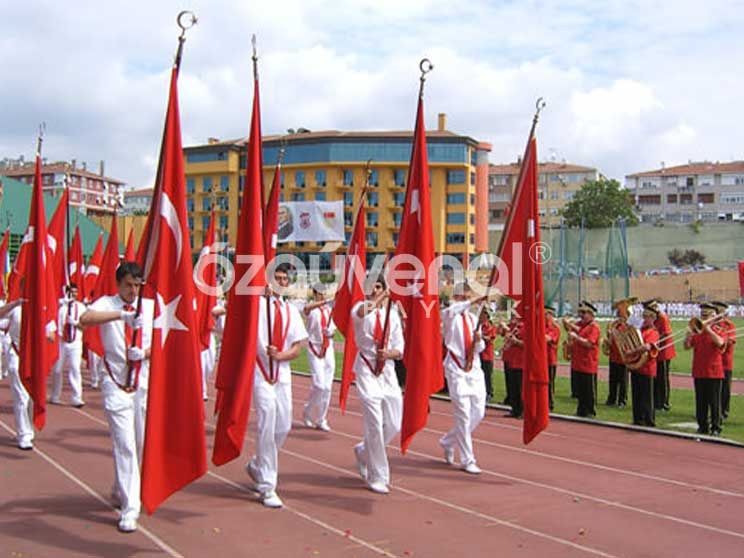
272, 377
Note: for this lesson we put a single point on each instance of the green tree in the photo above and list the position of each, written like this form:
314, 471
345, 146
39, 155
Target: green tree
599, 203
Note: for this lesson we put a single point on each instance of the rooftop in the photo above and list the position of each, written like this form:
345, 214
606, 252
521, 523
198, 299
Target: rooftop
694, 168
544, 168
61, 167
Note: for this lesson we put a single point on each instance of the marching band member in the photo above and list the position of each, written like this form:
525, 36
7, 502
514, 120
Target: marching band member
507, 351
488, 334
642, 379
321, 358
70, 348
708, 344
378, 343
22, 404
662, 387
584, 337
729, 328
126, 338
618, 393
272, 386
515, 339
462, 367
552, 338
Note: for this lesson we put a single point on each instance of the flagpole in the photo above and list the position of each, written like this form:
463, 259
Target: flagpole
67, 230
185, 20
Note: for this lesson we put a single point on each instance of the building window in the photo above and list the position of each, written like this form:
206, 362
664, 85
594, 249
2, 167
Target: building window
374, 177
190, 186
205, 222
320, 196
348, 219
241, 183
649, 200
458, 198
207, 184
472, 218
298, 197
224, 183
739, 181
706, 198
300, 179
472, 199
472, 178
373, 199
472, 238
189, 204
348, 177
455, 177
455, 218
671, 198
455, 238
373, 219
206, 204
731, 198
371, 239
224, 220
690, 181
568, 196
349, 199
191, 223
224, 203
399, 176
397, 218
347, 236
541, 194
206, 157
399, 198
320, 177
395, 237
685, 199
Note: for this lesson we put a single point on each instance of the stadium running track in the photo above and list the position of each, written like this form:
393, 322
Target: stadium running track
578, 490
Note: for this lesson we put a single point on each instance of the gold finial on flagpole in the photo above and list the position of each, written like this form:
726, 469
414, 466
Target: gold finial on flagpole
254, 57
425, 66
185, 20
40, 137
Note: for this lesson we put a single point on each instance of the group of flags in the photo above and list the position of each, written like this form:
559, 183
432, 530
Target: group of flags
175, 456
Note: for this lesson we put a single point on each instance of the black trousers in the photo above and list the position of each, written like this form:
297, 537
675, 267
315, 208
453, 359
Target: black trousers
574, 389
618, 384
661, 385
708, 404
551, 376
586, 389
507, 384
726, 393
400, 372
487, 366
643, 399
515, 382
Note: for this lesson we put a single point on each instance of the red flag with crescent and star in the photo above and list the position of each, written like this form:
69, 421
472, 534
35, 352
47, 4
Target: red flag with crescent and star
175, 443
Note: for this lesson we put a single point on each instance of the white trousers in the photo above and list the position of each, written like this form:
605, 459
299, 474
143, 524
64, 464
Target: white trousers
322, 371
273, 405
22, 403
468, 394
382, 413
95, 364
125, 413
208, 362
70, 355
5, 349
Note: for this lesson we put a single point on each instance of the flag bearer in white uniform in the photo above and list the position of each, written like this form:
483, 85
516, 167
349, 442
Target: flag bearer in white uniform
322, 360
22, 404
465, 380
377, 384
70, 348
124, 383
272, 387
4, 345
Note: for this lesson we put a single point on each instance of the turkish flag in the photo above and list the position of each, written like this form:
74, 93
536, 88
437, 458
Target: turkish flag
105, 284
423, 336
19, 264
93, 269
57, 231
175, 451
75, 269
238, 352
741, 278
205, 300
271, 215
37, 352
350, 293
535, 377
4, 263
129, 253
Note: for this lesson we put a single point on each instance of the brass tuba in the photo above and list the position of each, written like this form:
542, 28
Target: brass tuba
630, 344
568, 325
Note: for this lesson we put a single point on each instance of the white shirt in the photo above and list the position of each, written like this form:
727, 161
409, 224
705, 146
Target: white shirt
77, 308
295, 332
314, 327
14, 326
364, 335
114, 339
454, 334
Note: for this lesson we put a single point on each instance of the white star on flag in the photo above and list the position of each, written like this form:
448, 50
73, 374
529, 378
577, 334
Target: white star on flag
415, 205
167, 319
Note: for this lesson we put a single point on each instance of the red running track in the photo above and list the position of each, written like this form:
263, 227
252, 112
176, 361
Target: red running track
578, 490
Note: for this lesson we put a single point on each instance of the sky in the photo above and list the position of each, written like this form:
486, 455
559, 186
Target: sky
628, 83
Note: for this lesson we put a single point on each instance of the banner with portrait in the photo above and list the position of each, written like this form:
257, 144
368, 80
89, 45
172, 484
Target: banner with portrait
311, 221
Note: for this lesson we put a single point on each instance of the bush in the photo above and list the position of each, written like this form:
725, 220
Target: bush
689, 257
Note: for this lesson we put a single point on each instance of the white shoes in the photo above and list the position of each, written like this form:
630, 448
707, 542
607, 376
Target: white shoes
127, 525
472, 468
449, 455
252, 474
55, 401
324, 426
271, 500
379, 487
307, 422
361, 465
26, 445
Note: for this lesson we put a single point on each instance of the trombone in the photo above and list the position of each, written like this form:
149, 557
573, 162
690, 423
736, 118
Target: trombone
694, 326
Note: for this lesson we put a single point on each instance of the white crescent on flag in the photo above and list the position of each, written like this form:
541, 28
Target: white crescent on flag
92, 270
168, 212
